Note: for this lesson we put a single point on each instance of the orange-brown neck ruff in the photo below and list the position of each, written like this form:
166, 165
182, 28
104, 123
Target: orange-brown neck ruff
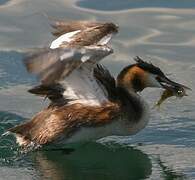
132, 78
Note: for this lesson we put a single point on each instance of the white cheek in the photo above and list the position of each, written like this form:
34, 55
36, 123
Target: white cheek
152, 82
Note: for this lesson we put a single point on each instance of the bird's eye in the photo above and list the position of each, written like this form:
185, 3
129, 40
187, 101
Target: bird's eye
158, 78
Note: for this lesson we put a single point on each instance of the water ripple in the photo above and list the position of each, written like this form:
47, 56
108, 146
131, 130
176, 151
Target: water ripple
131, 4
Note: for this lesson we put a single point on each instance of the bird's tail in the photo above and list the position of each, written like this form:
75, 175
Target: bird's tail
22, 133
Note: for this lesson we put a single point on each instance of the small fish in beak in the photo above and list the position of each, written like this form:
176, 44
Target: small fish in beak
171, 89
156, 78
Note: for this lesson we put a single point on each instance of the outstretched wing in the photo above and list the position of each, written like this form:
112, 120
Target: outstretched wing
62, 27
84, 33
53, 65
72, 58
73, 66
49, 64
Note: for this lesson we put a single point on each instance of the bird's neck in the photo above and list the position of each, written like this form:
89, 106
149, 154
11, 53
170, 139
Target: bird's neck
132, 104
128, 84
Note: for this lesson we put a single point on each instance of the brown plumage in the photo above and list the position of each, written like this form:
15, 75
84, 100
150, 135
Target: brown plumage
62, 27
56, 121
91, 35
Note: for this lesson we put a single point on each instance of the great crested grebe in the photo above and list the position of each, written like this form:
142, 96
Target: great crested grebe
87, 103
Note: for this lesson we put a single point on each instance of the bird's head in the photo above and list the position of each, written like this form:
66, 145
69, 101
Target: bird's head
142, 74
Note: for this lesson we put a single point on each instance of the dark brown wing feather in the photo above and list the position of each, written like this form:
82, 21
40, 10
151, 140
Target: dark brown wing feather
92, 35
53, 92
107, 80
64, 121
62, 27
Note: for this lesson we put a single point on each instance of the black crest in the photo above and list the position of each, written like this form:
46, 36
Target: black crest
148, 66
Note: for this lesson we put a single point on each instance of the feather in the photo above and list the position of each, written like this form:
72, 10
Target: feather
62, 27
107, 80
99, 33
53, 65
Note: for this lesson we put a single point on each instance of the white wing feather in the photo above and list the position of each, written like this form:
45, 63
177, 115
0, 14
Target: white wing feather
73, 68
105, 39
82, 87
68, 37
80, 84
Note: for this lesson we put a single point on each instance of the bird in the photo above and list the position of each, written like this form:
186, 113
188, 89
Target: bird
86, 101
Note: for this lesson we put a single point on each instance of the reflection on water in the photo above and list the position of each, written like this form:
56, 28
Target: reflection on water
94, 161
168, 173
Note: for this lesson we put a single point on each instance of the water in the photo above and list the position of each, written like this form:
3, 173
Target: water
159, 31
